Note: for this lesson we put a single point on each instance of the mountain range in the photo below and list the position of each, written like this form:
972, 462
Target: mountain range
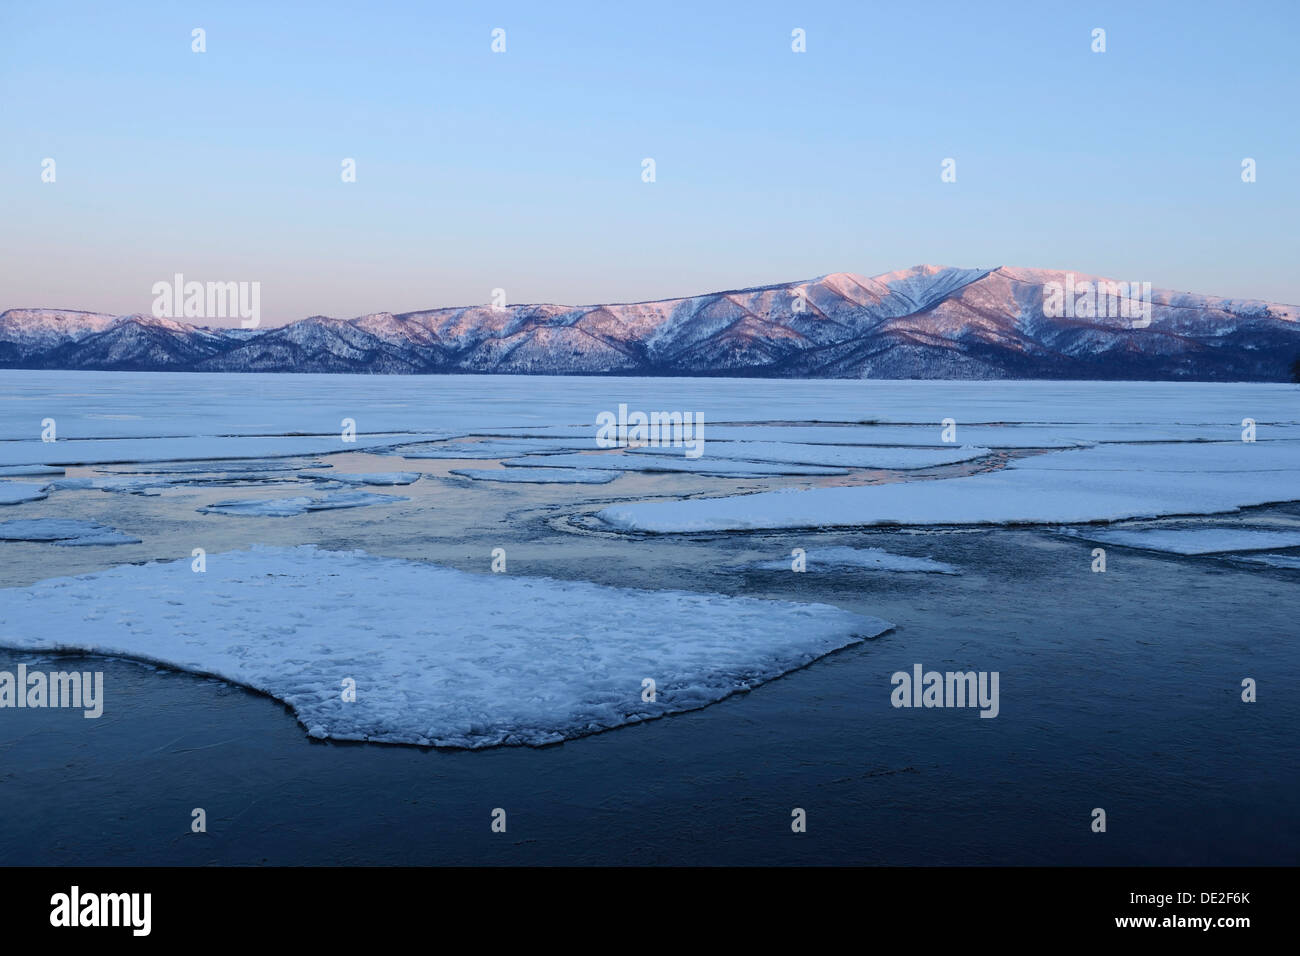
925, 322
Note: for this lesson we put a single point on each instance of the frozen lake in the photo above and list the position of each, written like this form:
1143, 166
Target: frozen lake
948, 524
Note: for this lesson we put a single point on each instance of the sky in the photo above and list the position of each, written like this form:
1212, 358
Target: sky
522, 170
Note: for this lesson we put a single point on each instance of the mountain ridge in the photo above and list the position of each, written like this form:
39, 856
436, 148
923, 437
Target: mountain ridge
929, 321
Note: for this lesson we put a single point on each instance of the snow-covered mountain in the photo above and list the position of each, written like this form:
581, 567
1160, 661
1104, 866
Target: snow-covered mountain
925, 322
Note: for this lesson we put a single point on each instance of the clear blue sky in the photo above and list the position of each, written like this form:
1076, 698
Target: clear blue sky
522, 170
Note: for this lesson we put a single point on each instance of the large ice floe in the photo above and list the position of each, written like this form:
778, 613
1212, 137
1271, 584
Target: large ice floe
1104, 483
437, 656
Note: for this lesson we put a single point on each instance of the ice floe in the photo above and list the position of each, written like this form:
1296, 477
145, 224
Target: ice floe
387, 478
495, 448
618, 461
1063, 434
842, 456
153, 484
298, 504
1288, 561
17, 471
539, 476
127, 484
1195, 540
240, 469
436, 656
189, 448
16, 492
68, 532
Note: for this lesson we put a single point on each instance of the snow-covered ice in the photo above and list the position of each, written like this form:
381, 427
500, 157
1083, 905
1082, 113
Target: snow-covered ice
1104, 483
438, 656
842, 559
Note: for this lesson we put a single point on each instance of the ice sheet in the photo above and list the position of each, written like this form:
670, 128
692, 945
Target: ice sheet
148, 404
1105, 483
438, 656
